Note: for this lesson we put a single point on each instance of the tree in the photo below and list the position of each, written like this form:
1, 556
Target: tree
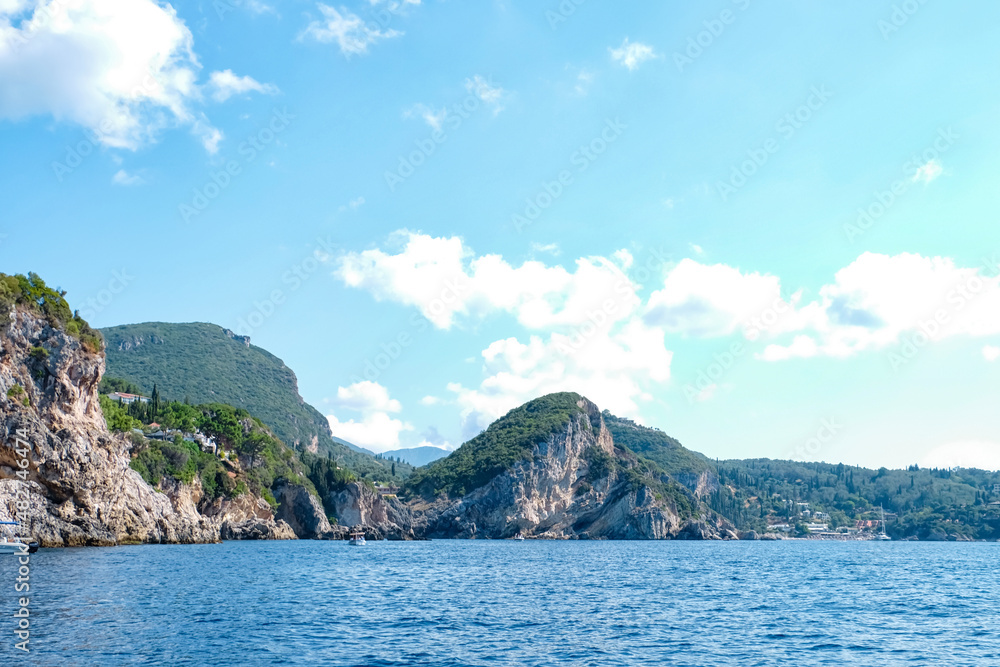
154, 402
253, 445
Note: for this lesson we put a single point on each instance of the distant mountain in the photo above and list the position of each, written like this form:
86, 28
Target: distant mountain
204, 363
418, 456
351, 445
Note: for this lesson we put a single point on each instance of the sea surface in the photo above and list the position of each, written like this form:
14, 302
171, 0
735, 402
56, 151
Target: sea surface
511, 603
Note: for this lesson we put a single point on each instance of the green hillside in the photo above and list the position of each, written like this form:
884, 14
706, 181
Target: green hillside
657, 446
506, 441
204, 363
934, 503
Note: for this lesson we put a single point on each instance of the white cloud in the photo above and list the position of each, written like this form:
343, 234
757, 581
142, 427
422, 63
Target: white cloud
991, 352
225, 84
583, 81
365, 396
126, 57
964, 454
698, 250
352, 205
430, 400
707, 393
352, 34
612, 366
395, 5
548, 248
595, 340
123, 69
801, 347
257, 7
435, 118
122, 177
446, 282
881, 300
632, 54
376, 429
712, 300
928, 171
490, 95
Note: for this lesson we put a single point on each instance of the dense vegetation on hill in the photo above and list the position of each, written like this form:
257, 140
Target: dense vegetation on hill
753, 493
930, 503
203, 363
506, 441
513, 437
264, 459
327, 477
656, 446
31, 292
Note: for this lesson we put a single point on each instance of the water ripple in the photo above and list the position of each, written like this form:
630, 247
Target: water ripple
476, 603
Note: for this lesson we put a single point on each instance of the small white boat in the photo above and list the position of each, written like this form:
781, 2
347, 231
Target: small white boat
882, 537
15, 545
519, 537
357, 539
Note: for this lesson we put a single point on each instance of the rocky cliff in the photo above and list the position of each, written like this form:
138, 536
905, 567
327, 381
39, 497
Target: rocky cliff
76, 487
378, 516
572, 483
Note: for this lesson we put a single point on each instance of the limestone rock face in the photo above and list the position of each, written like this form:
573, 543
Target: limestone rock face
553, 493
359, 506
302, 511
80, 489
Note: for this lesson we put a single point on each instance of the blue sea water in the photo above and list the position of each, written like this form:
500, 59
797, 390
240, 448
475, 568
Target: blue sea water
511, 603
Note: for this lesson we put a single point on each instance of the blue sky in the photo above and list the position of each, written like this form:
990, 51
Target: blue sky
767, 230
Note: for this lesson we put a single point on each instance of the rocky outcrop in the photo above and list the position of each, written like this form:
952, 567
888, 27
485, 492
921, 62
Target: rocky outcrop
560, 492
136, 341
77, 487
302, 511
246, 517
361, 507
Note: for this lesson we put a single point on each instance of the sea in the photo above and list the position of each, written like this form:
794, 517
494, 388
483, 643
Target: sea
480, 602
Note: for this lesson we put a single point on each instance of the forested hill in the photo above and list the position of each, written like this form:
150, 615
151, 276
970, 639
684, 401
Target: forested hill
656, 446
926, 504
204, 363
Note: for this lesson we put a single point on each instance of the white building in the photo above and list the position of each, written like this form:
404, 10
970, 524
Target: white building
127, 399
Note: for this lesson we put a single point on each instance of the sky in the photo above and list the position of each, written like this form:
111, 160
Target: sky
768, 229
